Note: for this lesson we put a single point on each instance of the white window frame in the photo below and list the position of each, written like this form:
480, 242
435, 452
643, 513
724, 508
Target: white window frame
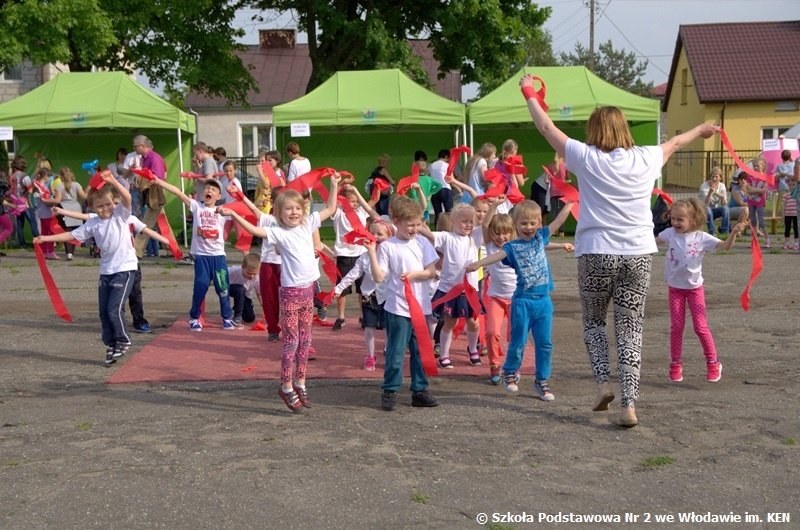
775, 131
240, 128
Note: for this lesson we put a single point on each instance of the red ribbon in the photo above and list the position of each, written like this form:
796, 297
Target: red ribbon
529, 92
332, 272
312, 180
259, 326
455, 154
50, 285
357, 227
757, 267
769, 179
166, 231
55, 228
470, 292
421, 332
405, 183
269, 172
664, 195
379, 185
234, 192
97, 182
244, 239
43, 191
513, 165
192, 175
568, 192
145, 173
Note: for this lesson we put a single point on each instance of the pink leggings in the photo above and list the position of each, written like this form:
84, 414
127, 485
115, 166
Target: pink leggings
297, 304
6, 228
498, 311
696, 299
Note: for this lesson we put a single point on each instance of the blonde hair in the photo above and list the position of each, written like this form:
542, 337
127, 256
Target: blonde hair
484, 152
67, 176
500, 224
459, 210
405, 209
444, 223
373, 223
695, 210
508, 149
283, 198
95, 194
251, 261
607, 129
524, 209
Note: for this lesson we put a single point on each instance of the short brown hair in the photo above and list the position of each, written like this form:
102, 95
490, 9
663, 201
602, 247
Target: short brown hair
251, 261
607, 129
405, 209
94, 194
293, 148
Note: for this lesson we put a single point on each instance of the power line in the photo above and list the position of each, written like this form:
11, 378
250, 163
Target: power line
633, 45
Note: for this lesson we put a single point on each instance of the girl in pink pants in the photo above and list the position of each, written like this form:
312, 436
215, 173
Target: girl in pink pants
683, 271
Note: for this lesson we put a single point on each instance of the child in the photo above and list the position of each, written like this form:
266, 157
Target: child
118, 261
346, 254
243, 283
229, 179
790, 199
757, 200
406, 257
373, 295
208, 251
299, 272
683, 272
531, 307
263, 195
498, 231
44, 200
458, 249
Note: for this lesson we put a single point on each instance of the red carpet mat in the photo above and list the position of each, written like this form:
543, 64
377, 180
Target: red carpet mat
178, 354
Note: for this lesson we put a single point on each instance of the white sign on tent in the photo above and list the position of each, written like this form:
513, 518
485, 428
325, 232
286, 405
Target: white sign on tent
6, 132
298, 130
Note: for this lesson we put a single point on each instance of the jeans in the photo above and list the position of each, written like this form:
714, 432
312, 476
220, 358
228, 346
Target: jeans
399, 335
716, 213
242, 305
534, 315
30, 215
112, 292
135, 301
442, 201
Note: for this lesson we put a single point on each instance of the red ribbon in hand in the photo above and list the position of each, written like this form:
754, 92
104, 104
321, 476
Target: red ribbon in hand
50, 285
405, 183
455, 154
664, 195
358, 233
769, 179
56, 229
192, 175
332, 272
312, 180
421, 332
379, 185
166, 231
269, 172
514, 166
757, 267
469, 291
234, 192
144, 173
530, 93
97, 182
567, 191
244, 239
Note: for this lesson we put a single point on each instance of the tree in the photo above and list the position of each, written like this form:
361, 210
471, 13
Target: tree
483, 41
186, 43
618, 67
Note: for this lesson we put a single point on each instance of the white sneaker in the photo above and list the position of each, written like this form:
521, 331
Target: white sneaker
69, 257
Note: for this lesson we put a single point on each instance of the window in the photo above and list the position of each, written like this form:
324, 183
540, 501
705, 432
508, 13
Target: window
12, 73
684, 85
253, 137
786, 106
771, 133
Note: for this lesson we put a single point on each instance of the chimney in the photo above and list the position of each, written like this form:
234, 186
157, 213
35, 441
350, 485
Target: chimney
276, 38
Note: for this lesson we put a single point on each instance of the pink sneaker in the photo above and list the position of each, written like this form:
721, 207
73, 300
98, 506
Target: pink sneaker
767, 243
796, 245
369, 363
713, 372
787, 246
676, 372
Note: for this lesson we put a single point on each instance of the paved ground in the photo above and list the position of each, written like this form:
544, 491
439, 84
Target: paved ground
78, 453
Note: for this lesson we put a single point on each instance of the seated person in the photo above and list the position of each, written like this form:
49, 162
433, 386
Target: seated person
737, 205
715, 197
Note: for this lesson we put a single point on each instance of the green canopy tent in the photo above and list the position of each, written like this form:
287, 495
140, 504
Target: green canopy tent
355, 116
82, 116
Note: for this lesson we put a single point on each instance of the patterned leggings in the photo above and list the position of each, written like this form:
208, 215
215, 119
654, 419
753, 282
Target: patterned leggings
625, 279
297, 304
695, 298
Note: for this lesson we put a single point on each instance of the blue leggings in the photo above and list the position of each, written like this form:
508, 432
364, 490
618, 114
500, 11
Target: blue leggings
534, 314
206, 270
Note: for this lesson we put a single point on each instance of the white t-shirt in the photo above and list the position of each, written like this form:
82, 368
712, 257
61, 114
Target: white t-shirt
342, 226
502, 278
457, 252
236, 277
437, 170
298, 263
224, 183
209, 230
615, 188
363, 270
132, 160
718, 198
683, 263
113, 237
476, 176
268, 252
297, 168
399, 256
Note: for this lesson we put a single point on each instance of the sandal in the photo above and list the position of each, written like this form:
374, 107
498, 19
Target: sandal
445, 362
474, 357
291, 400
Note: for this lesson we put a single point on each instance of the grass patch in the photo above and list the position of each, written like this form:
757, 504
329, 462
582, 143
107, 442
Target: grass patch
84, 426
12, 269
419, 497
268, 439
92, 263
657, 461
789, 441
169, 266
499, 526
12, 463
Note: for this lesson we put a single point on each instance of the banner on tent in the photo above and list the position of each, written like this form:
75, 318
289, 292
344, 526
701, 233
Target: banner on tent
6, 132
300, 130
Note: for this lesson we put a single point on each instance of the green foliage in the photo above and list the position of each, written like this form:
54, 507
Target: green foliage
4, 157
658, 461
180, 44
484, 41
419, 497
618, 67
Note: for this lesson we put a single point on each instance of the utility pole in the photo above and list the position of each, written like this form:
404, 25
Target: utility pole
591, 35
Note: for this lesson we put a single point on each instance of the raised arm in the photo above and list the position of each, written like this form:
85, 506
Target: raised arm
735, 231
332, 205
124, 194
185, 199
560, 218
554, 136
426, 232
247, 225
364, 204
487, 219
704, 130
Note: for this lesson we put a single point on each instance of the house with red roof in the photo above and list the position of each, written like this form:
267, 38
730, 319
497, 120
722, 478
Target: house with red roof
281, 67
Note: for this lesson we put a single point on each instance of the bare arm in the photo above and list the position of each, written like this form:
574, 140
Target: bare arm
69, 213
247, 225
185, 199
728, 243
428, 273
425, 231
560, 218
54, 238
554, 136
332, 205
704, 130
364, 204
488, 260
152, 234
487, 219
569, 247
464, 188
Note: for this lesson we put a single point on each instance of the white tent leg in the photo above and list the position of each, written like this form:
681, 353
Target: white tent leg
471, 138
183, 206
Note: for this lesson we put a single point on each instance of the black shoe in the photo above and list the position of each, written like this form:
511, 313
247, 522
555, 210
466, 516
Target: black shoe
388, 400
423, 399
120, 349
340, 322
273, 337
109, 357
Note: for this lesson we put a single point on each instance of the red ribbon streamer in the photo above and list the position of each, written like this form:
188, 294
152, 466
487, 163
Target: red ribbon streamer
359, 232
145, 173
166, 231
269, 172
244, 239
513, 164
470, 292
568, 192
421, 332
529, 92
56, 229
757, 267
235, 192
312, 180
50, 285
455, 154
192, 175
379, 185
769, 179
332, 272
259, 326
664, 195
97, 182
405, 183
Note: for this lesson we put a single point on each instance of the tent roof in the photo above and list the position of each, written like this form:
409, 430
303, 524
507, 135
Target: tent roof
374, 97
573, 92
91, 100
794, 132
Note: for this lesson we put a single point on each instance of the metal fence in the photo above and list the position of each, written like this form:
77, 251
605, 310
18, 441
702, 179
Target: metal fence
688, 169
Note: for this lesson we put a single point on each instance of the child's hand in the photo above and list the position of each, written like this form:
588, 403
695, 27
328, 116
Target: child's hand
221, 210
336, 178
369, 245
38, 240
472, 267
414, 186
569, 247
107, 176
448, 178
56, 210
407, 276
